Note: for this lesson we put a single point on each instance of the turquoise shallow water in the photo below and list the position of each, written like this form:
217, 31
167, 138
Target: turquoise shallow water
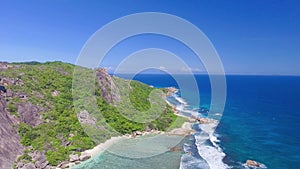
146, 152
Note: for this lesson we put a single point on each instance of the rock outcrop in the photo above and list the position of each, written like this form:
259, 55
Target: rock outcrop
74, 157
10, 146
30, 114
176, 149
84, 157
252, 163
4, 66
6, 81
40, 159
28, 166
171, 90
109, 91
202, 120
9, 93
85, 118
55, 93
181, 132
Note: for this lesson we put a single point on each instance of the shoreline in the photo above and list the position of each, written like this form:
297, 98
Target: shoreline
100, 148
184, 130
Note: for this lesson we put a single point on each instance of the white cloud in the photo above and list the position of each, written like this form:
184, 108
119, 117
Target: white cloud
188, 69
185, 69
109, 68
162, 68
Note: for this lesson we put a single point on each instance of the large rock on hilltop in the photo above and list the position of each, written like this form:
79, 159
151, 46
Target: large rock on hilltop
109, 91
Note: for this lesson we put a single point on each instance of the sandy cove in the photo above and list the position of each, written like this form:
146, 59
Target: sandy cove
184, 130
103, 146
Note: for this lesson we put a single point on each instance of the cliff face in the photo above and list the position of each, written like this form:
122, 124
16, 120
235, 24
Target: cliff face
10, 146
38, 124
109, 91
31, 90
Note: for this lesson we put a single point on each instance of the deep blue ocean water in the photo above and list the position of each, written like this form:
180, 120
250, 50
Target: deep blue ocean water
261, 120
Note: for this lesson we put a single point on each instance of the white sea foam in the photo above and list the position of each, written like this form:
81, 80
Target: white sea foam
191, 112
180, 100
188, 161
212, 154
180, 107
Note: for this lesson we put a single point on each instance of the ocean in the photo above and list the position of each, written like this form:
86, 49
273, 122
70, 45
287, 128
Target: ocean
261, 122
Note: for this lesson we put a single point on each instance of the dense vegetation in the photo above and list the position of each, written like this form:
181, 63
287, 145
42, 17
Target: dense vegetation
145, 105
60, 119
136, 113
40, 80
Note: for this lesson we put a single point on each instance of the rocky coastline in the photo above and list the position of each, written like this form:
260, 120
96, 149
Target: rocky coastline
75, 159
184, 130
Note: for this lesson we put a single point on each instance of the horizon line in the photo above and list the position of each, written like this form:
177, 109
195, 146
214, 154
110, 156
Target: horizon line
233, 74
156, 73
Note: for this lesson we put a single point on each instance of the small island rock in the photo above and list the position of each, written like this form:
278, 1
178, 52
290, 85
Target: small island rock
252, 163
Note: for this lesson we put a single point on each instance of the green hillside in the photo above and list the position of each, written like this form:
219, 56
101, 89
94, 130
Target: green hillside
48, 88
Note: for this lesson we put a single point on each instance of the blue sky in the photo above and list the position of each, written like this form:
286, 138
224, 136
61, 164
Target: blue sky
251, 37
